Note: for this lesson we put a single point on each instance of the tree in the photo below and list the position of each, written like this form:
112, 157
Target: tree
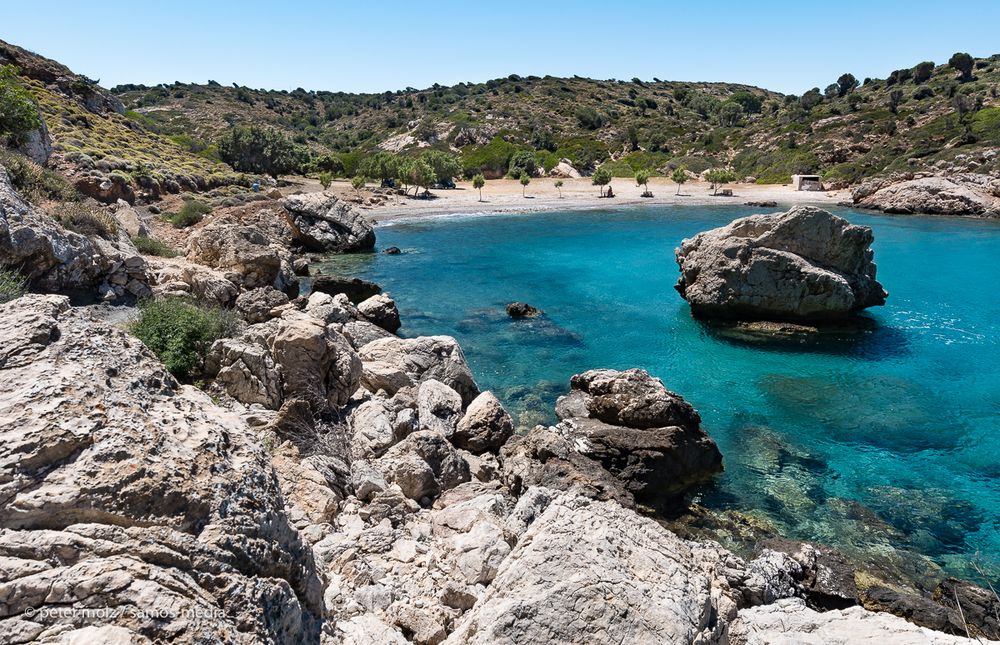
326, 178
18, 114
446, 167
525, 180
602, 177
382, 166
729, 114
421, 175
642, 179
358, 182
522, 163
922, 72
750, 103
719, 177
404, 172
846, 84
478, 181
679, 177
811, 99
895, 98
963, 63
256, 149
559, 185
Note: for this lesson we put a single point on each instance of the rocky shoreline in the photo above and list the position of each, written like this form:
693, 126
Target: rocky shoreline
335, 483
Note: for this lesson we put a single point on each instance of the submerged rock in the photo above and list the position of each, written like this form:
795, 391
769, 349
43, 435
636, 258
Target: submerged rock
805, 265
522, 310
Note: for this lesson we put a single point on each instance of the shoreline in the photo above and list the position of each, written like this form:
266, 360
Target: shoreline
504, 196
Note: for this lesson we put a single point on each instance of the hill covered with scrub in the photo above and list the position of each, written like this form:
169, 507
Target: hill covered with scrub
940, 116
914, 119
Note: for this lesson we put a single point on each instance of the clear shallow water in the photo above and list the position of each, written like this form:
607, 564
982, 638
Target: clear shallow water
890, 439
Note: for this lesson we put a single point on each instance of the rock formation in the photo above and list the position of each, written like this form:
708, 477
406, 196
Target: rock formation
956, 194
323, 222
805, 265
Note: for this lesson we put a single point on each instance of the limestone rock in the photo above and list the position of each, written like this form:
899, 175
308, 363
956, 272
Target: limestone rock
179, 278
588, 571
381, 310
324, 222
361, 332
128, 218
630, 398
424, 358
423, 465
439, 407
138, 493
356, 289
331, 309
956, 194
790, 621
485, 427
247, 252
259, 305
805, 264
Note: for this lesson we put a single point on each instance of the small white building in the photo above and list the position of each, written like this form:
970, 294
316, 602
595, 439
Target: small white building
807, 182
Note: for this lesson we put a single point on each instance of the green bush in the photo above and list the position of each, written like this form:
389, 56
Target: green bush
18, 113
153, 246
86, 220
490, 159
180, 333
34, 182
190, 214
522, 163
12, 285
261, 150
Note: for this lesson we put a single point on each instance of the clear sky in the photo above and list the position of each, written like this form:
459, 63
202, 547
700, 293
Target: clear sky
387, 45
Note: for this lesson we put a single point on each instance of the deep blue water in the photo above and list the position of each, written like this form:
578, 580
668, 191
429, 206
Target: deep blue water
887, 439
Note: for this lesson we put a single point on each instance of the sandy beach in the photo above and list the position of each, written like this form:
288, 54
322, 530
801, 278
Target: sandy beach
505, 196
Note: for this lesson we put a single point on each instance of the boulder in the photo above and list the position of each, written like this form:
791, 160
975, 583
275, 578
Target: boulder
331, 309
260, 304
565, 170
361, 332
485, 427
244, 251
128, 218
107, 190
423, 465
178, 278
790, 621
356, 289
595, 572
393, 250
805, 264
152, 497
381, 310
957, 194
424, 358
645, 435
324, 222
36, 144
522, 310
439, 407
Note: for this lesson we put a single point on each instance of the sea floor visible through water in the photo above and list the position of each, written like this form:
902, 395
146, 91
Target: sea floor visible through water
886, 441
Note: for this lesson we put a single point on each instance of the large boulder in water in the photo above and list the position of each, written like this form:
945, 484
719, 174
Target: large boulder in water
957, 194
323, 222
806, 264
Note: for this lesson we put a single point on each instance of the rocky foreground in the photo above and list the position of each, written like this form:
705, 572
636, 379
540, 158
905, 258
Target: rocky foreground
334, 483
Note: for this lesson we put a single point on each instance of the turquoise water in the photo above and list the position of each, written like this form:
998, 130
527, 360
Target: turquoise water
885, 441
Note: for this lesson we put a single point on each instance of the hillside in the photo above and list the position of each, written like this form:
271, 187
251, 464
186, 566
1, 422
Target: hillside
846, 132
94, 139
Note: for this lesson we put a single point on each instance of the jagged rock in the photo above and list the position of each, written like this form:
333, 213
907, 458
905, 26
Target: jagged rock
260, 304
246, 251
647, 436
106, 190
957, 194
356, 289
181, 279
522, 310
323, 222
377, 376
128, 218
379, 423
381, 310
565, 170
439, 407
57, 260
361, 332
424, 358
331, 309
485, 427
423, 465
300, 266
588, 571
37, 144
790, 621
153, 498
247, 371
805, 264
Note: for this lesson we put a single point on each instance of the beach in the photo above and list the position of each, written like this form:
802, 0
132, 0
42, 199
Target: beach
505, 196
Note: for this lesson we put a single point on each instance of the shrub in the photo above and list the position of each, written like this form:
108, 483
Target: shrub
261, 150
34, 182
522, 163
491, 159
963, 63
589, 118
190, 214
325, 179
922, 72
445, 165
86, 220
13, 285
601, 177
180, 333
153, 246
18, 113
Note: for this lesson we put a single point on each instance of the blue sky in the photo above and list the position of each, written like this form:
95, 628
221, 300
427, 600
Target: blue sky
388, 45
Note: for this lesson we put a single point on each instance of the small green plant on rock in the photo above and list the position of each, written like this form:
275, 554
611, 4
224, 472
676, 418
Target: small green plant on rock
87, 220
153, 246
13, 285
180, 333
190, 214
